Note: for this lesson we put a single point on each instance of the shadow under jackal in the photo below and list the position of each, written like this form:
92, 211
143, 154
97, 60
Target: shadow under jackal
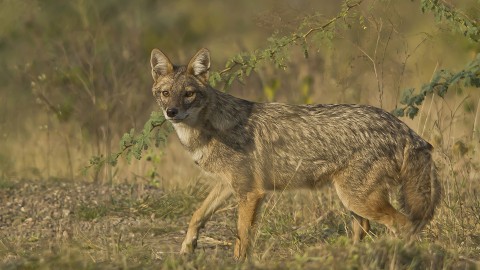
253, 148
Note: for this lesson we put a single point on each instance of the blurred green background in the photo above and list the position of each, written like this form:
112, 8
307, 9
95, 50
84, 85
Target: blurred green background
75, 75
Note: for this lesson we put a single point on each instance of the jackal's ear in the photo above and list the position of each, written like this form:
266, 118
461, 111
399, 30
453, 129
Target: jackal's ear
161, 65
200, 64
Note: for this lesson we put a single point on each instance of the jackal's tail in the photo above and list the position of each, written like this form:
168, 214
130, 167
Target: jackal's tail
420, 190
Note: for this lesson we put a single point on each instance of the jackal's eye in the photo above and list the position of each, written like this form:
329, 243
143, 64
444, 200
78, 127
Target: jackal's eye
189, 93
165, 93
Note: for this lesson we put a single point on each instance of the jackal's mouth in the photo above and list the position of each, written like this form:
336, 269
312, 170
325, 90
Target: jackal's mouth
177, 119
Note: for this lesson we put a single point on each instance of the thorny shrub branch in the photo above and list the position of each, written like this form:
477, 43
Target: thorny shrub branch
440, 83
456, 19
444, 79
132, 145
246, 62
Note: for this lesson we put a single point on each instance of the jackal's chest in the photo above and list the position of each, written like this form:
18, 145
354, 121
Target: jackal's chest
193, 142
186, 134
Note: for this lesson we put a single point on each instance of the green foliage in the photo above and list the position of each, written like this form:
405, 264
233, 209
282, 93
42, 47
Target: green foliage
131, 145
277, 51
440, 83
455, 19
444, 79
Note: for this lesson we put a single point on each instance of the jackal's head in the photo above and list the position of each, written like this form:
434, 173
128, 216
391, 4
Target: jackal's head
181, 91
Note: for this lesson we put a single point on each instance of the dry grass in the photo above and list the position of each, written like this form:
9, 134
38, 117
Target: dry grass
81, 225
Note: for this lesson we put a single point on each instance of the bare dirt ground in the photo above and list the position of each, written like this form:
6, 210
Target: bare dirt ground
84, 225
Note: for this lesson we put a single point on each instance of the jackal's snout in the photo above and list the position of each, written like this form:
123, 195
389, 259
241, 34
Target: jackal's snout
175, 114
172, 112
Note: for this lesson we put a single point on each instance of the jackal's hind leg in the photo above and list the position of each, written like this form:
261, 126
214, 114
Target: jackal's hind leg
360, 227
376, 206
363, 191
219, 194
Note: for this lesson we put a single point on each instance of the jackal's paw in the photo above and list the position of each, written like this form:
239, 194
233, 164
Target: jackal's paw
188, 246
239, 253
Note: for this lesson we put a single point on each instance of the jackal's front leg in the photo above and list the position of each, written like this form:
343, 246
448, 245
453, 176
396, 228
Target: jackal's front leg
214, 200
248, 207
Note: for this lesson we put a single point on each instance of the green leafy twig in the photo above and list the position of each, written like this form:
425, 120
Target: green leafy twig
132, 145
458, 21
244, 63
440, 83
444, 79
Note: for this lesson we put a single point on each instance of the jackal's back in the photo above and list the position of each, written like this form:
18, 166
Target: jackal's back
311, 143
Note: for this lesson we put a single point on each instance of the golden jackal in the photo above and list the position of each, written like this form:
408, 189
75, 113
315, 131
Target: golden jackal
254, 147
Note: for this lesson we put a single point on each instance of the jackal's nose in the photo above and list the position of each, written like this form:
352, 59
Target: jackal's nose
172, 112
